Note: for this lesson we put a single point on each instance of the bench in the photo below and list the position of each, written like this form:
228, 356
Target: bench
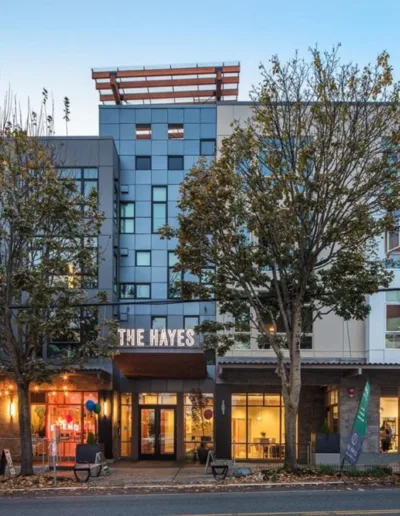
219, 467
86, 463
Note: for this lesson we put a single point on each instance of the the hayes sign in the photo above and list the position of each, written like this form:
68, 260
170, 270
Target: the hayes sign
156, 338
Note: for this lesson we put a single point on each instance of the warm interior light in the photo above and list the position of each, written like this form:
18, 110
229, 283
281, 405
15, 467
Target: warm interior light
65, 377
105, 408
11, 409
36, 388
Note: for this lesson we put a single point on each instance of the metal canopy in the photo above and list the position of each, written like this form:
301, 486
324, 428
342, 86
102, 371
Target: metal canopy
196, 83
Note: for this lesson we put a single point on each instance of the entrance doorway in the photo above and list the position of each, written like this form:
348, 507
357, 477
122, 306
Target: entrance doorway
157, 437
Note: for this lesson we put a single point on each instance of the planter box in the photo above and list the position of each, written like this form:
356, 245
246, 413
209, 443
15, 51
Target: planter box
327, 443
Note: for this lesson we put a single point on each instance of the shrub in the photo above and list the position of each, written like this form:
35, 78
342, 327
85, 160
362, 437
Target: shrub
326, 469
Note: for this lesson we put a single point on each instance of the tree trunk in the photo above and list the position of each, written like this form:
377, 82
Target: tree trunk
24, 417
291, 409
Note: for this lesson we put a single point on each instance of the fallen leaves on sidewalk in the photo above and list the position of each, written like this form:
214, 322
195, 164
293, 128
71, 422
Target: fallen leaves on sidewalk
34, 482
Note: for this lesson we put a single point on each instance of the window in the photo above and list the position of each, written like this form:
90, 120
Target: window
175, 131
306, 338
127, 217
115, 273
159, 207
143, 258
199, 421
162, 398
143, 163
389, 425
135, 291
143, 131
174, 277
392, 336
126, 424
333, 409
159, 322
258, 426
207, 147
190, 322
206, 276
86, 180
175, 163
392, 247
242, 330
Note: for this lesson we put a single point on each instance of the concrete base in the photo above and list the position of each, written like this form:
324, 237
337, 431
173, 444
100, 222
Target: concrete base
331, 459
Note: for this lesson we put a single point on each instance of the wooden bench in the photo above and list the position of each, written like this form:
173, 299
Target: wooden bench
86, 465
219, 467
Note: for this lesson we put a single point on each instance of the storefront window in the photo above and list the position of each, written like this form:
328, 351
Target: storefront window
199, 421
157, 399
333, 409
258, 426
126, 425
66, 413
388, 425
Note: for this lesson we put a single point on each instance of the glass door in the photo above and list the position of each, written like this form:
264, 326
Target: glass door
157, 433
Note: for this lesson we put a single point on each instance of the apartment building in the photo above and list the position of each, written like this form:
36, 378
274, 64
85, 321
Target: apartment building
154, 124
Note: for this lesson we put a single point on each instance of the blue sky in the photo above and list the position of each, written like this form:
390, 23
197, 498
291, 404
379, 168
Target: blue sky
55, 44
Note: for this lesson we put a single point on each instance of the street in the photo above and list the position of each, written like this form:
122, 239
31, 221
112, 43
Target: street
289, 503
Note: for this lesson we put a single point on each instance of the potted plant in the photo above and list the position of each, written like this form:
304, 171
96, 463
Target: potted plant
199, 418
327, 441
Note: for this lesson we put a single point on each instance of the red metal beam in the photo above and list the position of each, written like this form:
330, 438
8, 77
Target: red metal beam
114, 87
162, 72
171, 95
201, 81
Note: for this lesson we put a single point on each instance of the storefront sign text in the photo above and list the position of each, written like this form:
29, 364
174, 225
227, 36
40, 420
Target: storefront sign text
156, 338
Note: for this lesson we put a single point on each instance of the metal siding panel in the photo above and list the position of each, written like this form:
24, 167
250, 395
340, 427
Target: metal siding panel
158, 274
175, 147
159, 291
190, 161
127, 115
157, 243
173, 192
159, 147
159, 162
127, 274
207, 131
191, 147
143, 177
143, 274
108, 115
175, 322
173, 210
208, 115
159, 131
175, 116
143, 116
159, 115
110, 130
159, 177
143, 225
175, 177
127, 147
143, 209
192, 131
192, 116
127, 162
127, 132
159, 258
143, 193
143, 147
143, 242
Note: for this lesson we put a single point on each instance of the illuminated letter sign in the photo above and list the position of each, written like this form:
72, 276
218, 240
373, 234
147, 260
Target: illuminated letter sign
156, 338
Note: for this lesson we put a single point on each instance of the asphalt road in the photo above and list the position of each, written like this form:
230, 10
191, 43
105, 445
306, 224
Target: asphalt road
288, 503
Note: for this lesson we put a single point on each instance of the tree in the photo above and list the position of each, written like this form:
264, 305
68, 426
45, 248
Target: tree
287, 219
46, 260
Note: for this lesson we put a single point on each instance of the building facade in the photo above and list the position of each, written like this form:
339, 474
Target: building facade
162, 397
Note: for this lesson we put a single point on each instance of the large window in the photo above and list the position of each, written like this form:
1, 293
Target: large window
83, 328
135, 291
307, 328
174, 277
242, 330
333, 409
392, 335
159, 207
126, 425
127, 217
175, 131
86, 179
143, 163
199, 421
143, 258
258, 426
159, 322
175, 163
143, 131
389, 425
207, 147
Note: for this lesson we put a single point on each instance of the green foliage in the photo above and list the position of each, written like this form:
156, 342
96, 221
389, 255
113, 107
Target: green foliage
326, 469
91, 438
325, 429
199, 404
291, 213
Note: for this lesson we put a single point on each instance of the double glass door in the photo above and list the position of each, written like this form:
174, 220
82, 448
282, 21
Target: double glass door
157, 438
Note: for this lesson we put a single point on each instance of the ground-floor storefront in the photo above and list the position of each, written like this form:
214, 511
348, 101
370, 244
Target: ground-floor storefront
238, 411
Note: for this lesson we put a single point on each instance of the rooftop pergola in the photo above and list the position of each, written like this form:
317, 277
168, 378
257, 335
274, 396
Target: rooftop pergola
196, 83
